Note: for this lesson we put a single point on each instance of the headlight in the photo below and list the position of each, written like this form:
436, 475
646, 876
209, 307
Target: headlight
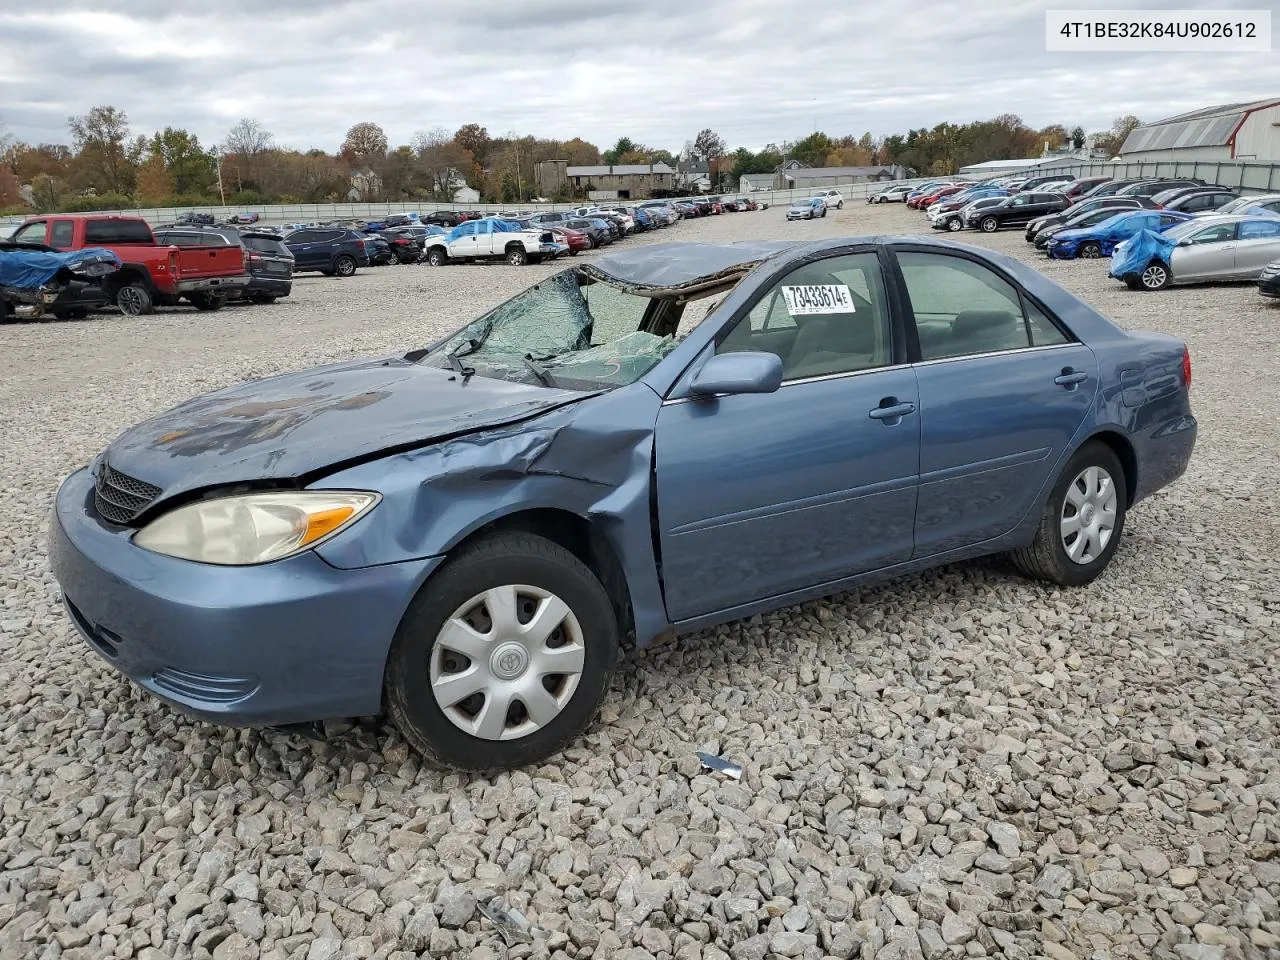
255, 527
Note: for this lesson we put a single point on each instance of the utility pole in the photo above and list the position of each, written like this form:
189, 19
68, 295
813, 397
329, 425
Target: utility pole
217, 159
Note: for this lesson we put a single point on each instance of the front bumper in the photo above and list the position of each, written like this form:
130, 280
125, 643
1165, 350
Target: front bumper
1061, 251
287, 642
1269, 286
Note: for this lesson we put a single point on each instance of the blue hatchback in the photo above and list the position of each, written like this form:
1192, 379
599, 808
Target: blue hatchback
464, 536
1100, 240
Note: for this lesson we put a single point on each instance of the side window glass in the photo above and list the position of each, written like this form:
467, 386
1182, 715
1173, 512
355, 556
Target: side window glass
63, 234
1226, 231
961, 307
1255, 231
1042, 329
826, 317
31, 233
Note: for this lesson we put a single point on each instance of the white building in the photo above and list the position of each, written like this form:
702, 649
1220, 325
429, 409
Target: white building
1007, 168
1233, 131
466, 195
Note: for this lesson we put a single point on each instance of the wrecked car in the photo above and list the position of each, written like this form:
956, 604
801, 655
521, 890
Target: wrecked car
465, 535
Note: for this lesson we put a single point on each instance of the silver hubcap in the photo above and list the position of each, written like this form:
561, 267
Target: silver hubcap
507, 662
953, 225
1153, 276
1090, 252
1088, 515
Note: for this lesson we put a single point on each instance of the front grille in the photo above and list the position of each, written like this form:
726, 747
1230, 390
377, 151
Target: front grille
118, 497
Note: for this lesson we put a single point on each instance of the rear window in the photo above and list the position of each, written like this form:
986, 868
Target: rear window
265, 245
117, 231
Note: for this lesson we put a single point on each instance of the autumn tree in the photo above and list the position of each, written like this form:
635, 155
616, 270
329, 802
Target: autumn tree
366, 143
624, 146
10, 188
1114, 139
1055, 134
100, 137
579, 153
155, 185
475, 140
707, 146
190, 167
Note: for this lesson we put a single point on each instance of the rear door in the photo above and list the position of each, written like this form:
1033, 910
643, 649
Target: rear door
1258, 245
1003, 389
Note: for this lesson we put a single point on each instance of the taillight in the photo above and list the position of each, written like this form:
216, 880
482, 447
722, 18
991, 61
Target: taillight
173, 261
1186, 366
245, 256
255, 258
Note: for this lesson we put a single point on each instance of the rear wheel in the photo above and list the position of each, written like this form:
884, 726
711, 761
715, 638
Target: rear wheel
1082, 522
207, 301
840, 205
504, 656
134, 300
344, 266
1156, 276
824, 211
516, 256
1091, 250
6, 311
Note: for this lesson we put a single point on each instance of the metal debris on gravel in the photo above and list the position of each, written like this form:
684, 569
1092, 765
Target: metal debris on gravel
957, 764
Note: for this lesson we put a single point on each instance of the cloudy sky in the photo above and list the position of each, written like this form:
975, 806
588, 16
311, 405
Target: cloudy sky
658, 70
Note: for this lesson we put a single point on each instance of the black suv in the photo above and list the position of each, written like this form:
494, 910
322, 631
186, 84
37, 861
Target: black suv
270, 266
330, 250
444, 218
1016, 211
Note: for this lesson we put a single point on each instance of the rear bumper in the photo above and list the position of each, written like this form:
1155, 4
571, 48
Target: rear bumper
212, 285
270, 286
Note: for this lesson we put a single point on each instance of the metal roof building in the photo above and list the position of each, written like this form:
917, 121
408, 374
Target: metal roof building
1000, 168
1232, 131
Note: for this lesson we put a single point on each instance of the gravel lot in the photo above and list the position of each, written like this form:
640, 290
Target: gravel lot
961, 763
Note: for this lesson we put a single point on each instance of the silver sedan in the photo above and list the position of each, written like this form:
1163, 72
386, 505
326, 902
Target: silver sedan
1222, 247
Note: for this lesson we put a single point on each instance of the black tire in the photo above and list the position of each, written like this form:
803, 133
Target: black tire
824, 211
134, 300
1155, 276
1091, 250
1133, 282
989, 225
264, 301
6, 311
1046, 558
206, 301
345, 266
954, 225
437, 256
74, 314
573, 253
840, 205
516, 255
504, 559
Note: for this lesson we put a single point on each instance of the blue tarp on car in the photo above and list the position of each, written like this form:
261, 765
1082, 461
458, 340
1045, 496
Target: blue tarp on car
32, 269
1132, 256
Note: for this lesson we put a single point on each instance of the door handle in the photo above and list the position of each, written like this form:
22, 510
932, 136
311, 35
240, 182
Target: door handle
891, 409
1069, 378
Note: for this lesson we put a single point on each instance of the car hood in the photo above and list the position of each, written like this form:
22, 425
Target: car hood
1080, 233
301, 424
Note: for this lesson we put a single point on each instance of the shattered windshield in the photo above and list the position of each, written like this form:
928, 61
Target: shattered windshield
567, 332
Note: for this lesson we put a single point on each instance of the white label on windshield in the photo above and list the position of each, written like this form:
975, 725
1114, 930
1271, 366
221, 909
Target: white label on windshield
818, 298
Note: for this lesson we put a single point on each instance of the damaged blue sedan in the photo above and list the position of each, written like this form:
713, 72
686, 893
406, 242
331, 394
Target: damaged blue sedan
464, 536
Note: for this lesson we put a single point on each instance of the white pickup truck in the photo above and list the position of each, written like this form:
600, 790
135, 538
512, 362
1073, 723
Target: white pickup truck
491, 238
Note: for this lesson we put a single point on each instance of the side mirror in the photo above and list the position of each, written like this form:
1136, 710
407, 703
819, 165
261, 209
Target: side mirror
730, 373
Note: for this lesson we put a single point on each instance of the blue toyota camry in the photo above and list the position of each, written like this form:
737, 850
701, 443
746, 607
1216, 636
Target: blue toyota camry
463, 536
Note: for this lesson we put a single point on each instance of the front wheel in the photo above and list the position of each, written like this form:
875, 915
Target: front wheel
503, 657
990, 225
840, 205
954, 225
1156, 276
437, 257
1091, 250
1082, 522
344, 266
517, 257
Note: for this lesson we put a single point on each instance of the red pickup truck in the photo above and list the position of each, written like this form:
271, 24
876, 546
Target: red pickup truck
151, 275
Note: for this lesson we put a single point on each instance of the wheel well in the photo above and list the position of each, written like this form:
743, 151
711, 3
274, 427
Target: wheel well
581, 538
1123, 450
515, 243
126, 276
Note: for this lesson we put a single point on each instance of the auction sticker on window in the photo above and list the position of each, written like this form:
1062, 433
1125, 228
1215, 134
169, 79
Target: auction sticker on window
818, 298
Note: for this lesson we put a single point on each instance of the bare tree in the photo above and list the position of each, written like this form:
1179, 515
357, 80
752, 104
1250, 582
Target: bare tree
441, 159
248, 138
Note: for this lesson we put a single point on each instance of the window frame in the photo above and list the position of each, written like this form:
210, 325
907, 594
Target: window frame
899, 353
1235, 234
1024, 297
44, 232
